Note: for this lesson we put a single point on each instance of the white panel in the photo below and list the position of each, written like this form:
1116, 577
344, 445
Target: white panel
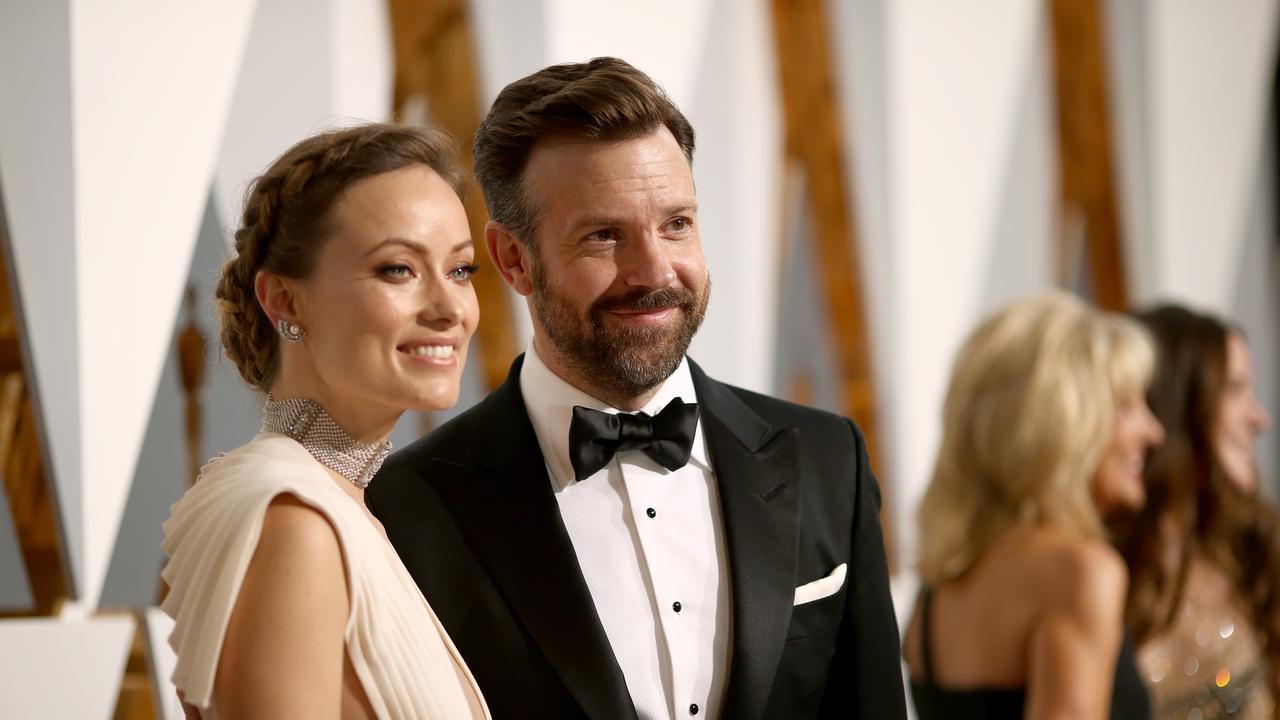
161, 661
1211, 68
665, 38
860, 57
1125, 26
1022, 259
301, 74
159, 480
957, 72
738, 170
151, 86
38, 208
54, 668
363, 60
511, 41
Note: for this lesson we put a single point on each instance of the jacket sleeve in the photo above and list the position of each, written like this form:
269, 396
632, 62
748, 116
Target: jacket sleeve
866, 672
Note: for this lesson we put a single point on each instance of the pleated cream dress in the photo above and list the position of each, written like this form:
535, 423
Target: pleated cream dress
404, 659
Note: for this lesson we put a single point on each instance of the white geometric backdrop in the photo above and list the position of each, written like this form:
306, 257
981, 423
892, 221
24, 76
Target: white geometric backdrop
124, 125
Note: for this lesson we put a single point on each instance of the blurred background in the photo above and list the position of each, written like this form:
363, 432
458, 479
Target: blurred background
874, 176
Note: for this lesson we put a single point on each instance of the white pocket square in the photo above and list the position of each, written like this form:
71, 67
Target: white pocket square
819, 589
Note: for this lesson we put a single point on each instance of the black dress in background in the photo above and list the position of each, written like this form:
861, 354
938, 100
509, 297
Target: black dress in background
1128, 695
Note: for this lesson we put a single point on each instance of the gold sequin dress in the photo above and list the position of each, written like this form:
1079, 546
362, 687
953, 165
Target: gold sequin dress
1208, 665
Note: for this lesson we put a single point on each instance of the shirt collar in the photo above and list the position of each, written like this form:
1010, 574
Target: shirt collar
549, 400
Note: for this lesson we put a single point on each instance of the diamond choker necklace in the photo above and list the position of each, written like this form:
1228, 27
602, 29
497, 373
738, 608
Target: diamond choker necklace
307, 422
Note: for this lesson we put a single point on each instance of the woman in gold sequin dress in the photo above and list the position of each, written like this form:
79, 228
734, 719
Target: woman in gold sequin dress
1204, 554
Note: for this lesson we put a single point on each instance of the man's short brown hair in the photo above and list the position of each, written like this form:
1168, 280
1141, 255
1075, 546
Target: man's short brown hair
604, 99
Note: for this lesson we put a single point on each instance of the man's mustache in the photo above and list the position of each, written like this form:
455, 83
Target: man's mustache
644, 301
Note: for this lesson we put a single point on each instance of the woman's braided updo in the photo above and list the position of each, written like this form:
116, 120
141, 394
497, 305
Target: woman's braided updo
286, 216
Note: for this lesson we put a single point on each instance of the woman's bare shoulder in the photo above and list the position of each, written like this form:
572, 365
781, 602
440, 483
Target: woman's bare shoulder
1068, 572
1080, 578
295, 526
285, 641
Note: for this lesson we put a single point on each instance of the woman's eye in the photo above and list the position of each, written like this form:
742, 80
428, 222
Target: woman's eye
462, 273
398, 271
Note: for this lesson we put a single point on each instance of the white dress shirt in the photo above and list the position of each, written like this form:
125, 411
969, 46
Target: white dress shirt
650, 543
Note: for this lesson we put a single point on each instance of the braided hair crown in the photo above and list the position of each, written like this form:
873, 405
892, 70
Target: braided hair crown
287, 212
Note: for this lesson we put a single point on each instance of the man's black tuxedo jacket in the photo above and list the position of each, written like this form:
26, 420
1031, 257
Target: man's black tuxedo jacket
471, 511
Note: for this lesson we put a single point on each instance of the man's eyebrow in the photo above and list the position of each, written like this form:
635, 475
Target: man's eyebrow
606, 221
598, 221
417, 246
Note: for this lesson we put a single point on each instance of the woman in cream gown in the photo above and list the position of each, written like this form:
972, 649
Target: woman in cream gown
348, 302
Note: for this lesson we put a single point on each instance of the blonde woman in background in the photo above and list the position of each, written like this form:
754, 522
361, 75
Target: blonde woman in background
1045, 431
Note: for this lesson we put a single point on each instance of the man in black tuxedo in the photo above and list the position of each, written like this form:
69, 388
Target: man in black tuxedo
611, 533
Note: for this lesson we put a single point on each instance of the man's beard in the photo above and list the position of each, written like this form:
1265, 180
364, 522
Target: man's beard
625, 361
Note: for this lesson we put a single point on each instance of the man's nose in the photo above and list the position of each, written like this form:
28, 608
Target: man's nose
646, 262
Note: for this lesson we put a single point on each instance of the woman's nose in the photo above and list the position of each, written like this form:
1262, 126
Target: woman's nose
441, 306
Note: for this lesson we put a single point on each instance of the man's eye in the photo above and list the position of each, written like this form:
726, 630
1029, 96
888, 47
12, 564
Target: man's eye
462, 273
396, 272
603, 236
680, 224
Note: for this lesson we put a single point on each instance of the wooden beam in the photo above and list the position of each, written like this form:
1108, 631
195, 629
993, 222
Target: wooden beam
815, 143
436, 65
23, 478
1085, 147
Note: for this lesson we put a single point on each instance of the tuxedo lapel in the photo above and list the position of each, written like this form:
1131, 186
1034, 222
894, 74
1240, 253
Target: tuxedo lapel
502, 499
755, 466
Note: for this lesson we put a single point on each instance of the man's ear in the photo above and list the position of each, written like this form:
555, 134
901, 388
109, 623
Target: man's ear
278, 297
511, 256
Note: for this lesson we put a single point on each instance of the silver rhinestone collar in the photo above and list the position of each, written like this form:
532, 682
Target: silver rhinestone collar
307, 422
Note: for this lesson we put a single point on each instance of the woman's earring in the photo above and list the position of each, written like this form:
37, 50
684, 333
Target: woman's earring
289, 331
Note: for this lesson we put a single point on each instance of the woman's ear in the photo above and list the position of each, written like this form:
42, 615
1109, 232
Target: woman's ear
278, 297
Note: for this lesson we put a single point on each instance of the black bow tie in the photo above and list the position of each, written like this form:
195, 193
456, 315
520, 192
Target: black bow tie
594, 436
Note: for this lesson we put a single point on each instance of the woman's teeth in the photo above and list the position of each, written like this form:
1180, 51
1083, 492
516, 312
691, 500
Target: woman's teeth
433, 351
